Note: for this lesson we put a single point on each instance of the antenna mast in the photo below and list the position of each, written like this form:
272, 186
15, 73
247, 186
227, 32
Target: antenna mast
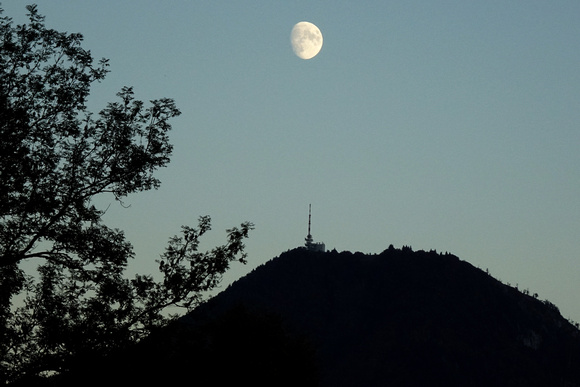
309, 216
310, 244
308, 238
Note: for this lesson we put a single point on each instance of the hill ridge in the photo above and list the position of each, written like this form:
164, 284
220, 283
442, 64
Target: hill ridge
340, 319
349, 303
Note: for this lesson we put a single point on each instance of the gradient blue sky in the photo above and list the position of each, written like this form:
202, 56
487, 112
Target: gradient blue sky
447, 125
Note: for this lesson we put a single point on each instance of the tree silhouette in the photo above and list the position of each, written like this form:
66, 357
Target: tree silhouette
55, 158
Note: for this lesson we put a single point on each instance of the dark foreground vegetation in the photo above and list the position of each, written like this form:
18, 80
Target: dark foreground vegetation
64, 291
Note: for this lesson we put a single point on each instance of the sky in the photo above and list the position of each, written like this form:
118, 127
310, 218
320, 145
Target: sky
446, 125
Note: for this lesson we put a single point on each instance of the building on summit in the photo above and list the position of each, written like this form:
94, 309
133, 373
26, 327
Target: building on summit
310, 244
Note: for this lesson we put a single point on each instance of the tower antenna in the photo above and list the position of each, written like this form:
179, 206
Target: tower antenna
310, 244
309, 216
308, 239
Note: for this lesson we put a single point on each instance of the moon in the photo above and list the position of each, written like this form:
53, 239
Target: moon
306, 40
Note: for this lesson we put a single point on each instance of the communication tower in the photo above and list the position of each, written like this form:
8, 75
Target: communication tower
310, 244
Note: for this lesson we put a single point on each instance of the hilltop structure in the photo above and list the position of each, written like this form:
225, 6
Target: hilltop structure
310, 244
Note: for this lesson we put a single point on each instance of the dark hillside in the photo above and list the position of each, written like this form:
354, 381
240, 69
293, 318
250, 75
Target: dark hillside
410, 318
399, 318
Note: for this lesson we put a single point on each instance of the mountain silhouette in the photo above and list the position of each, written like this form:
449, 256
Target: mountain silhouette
398, 318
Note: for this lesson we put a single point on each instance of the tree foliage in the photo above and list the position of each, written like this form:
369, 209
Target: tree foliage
55, 158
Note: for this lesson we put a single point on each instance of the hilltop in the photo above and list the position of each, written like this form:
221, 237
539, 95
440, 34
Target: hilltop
398, 318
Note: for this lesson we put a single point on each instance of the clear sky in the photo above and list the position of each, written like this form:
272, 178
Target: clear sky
447, 125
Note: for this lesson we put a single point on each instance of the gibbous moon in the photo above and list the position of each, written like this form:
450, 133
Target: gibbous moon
306, 40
